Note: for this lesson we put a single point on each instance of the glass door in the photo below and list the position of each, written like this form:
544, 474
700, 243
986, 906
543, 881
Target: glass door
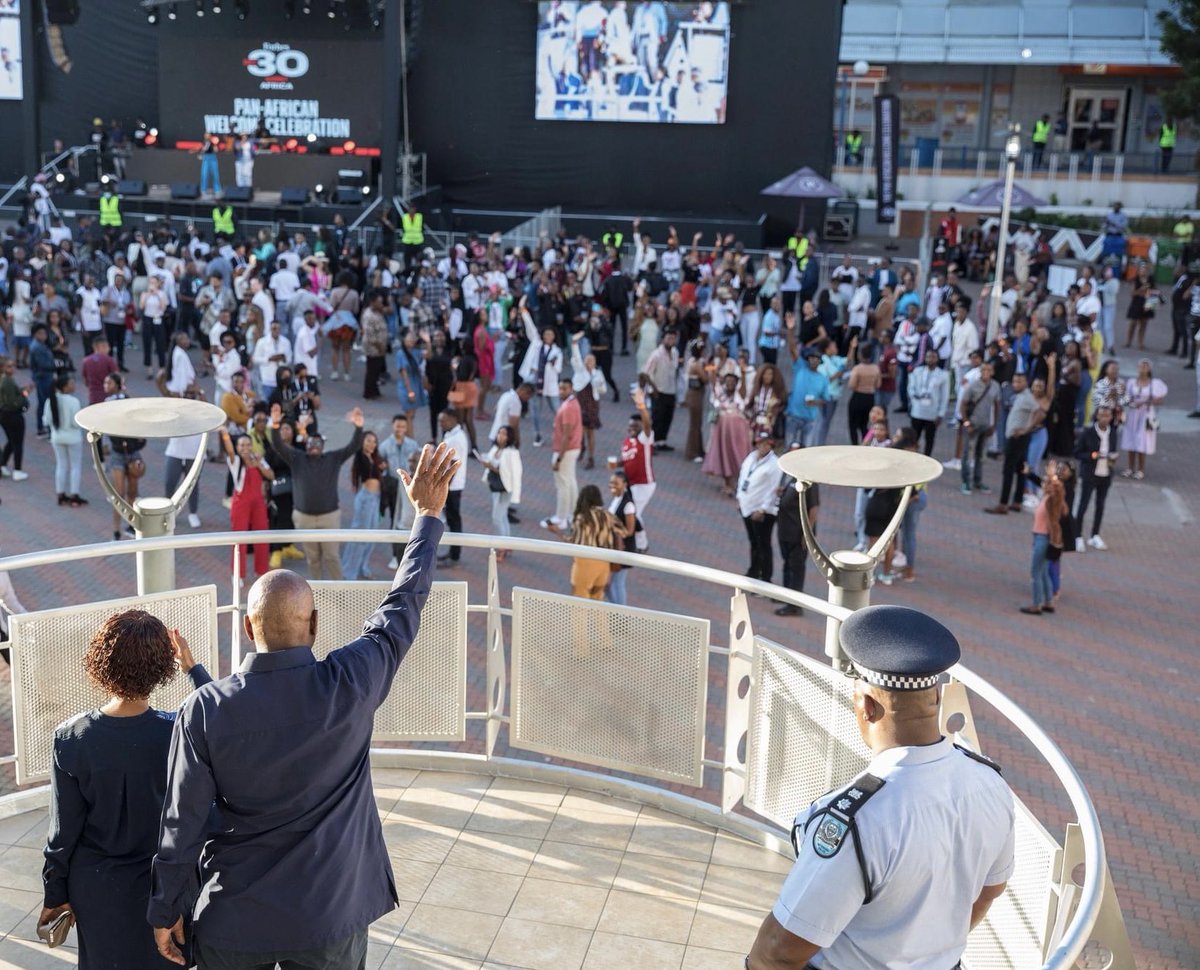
1097, 119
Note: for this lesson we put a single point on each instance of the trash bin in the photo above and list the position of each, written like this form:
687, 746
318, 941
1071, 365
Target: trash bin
925, 151
1170, 253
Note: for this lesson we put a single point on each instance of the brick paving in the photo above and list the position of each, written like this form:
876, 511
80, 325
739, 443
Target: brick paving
1111, 676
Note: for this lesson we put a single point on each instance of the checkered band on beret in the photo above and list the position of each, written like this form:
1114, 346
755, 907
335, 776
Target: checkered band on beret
894, 681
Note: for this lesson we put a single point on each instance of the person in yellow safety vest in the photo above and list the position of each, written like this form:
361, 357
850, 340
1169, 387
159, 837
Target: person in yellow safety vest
1184, 232
854, 152
110, 211
612, 239
798, 246
1166, 143
222, 220
412, 237
1041, 135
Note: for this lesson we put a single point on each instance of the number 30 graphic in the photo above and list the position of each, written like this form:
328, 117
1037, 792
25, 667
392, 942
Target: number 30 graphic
289, 63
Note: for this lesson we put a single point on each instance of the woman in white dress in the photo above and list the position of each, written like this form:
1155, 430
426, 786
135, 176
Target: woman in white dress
1139, 435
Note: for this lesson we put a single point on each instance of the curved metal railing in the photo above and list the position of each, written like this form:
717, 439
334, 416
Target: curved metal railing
1066, 935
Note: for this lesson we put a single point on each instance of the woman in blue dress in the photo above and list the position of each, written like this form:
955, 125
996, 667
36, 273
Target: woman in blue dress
107, 789
410, 375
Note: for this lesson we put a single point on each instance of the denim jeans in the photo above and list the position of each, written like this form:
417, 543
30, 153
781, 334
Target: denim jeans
828, 410
1037, 449
500, 504
542, 401
1038, 570
884, 399
908, 528
177, 468
972, 457
366, 516
615, 593
210, 176
803, 430
68, 464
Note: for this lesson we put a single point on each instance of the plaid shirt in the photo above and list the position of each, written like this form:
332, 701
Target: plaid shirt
435, 292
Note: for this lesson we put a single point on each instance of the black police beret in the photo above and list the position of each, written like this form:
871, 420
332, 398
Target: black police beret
897, 648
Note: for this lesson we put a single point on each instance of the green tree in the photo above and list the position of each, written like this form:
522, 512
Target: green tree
1180, 28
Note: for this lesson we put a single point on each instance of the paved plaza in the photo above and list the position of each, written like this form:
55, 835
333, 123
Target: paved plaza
1112, 675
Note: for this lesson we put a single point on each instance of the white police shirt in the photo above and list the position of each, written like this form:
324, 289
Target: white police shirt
937, 832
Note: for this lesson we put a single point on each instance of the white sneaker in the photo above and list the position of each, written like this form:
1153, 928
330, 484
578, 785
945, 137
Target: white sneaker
346, 376
1097, 543
19, 476
4, 472
1030, 501
193, 520
1080, 545
860, 547
393, 563
953, 463
333, 376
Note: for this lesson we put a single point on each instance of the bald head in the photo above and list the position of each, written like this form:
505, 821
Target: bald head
280, 613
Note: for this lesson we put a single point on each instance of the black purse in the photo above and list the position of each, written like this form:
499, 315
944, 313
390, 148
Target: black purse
495, 482
281, 485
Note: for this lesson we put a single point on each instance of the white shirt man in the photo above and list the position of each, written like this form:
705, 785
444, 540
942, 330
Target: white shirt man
1088, 303
934, 295
757, 482
928, 392
941, 334
262, 300
284, 283
288, 260
507, 413
860, 306
308, 338
159, 271
271, 352
454, 260
474, 289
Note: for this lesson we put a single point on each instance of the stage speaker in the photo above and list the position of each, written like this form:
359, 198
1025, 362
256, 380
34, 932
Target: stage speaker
293, 195
239, 193
131, 187
347, 196
185, 190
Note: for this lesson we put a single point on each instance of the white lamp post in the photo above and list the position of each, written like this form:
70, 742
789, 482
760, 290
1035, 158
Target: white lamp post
151, 516
1012, 151
851, 574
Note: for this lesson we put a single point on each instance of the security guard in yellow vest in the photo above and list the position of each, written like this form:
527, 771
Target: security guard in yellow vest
854, 152
612, 239
1184, 232
110, 211
1041, 135
798, 246
222, 220
1166, 143
412, 237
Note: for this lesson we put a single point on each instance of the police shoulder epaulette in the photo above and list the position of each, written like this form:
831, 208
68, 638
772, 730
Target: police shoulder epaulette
837, 819
975, 756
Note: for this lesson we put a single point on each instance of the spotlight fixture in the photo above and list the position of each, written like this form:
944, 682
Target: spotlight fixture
152, 16
291, 144
348, 146
59, 178
243, 8
376, 14
199, 8
311, 137
289, 9
366, 190
318, 188
216, 6
306, 7
332, 11
105, 179
172, 11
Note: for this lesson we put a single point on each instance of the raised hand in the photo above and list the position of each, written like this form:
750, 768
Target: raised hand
429, 485
355, 417
183, 653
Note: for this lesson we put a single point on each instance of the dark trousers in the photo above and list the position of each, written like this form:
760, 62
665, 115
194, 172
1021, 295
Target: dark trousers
795, 558
972, 457
604, 358
1098, 487
621, 319
156, 335
372, 377
13, 423
662, 412
1039, 150
115, 332
1179, 332
88, 337
759, 533
902, 384
768, 354
1167, 153
859, 414
926, 428
45, 387
1190, 350
454, 519
1015, 450
347, 954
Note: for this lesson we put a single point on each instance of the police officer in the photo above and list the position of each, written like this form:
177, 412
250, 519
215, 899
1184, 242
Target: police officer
1166, 143
1041, 135
897, 867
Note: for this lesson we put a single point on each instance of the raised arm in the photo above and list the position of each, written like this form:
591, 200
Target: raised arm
355, 442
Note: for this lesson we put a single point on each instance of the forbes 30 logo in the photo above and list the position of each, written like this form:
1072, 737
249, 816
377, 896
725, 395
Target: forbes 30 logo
278, 65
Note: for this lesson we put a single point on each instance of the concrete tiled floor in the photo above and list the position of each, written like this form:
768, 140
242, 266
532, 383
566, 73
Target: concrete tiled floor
495, 873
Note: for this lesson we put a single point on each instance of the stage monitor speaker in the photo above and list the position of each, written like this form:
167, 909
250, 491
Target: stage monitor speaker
239, 193
346, 196
293, 195
185, 190
351, 178
131, 187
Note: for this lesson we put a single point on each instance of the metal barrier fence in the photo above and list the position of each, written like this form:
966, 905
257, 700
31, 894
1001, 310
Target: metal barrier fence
611, 698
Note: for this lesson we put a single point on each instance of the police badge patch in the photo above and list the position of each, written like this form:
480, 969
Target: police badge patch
828, 836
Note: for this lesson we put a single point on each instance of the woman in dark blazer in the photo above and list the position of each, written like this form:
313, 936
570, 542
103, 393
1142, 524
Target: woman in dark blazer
107, 789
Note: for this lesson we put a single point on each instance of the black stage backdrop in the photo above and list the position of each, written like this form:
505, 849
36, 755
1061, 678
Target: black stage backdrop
471, 94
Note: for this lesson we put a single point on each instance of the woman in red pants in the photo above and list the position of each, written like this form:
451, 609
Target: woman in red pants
249, 510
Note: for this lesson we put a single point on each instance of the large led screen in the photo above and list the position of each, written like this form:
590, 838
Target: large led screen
647, 61
11, 86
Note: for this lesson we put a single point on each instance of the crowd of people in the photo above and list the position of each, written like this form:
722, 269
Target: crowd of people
479, 342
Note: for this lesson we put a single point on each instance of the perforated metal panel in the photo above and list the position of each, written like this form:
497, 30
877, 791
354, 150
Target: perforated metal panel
49, 683
1011, 935
613, 686
428, 699
803, 740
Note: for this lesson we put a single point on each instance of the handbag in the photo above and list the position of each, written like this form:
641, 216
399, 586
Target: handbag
281, 485
1152, 423
495, 482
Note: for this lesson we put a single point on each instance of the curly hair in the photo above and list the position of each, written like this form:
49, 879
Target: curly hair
130, 655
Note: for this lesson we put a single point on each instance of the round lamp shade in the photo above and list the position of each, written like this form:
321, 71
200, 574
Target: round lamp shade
151, 417
858, 467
